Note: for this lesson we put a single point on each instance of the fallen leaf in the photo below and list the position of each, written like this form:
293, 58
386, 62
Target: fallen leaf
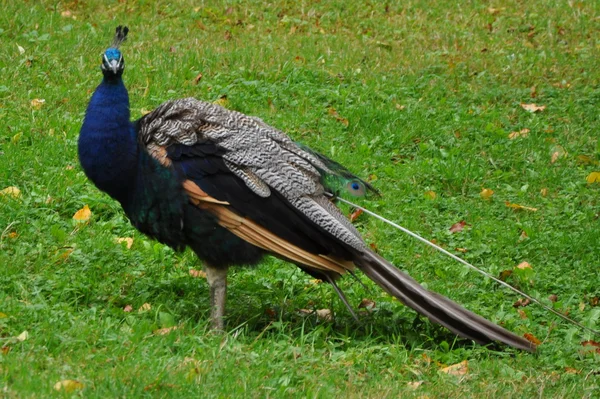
367, 304
198, 78
374, 247
37, 103
324, 314
197, 273
461, 368
520, 133
337, 116
504, 274
593, 344
21, 49
23, 336
523, 236
593, 177
522, 314
531, 338
495, 11
127, 308
164, 331
522, 302
414, 384
83, 215
533, 107
400, 107
557, 152
11, 191
458, 227
127, 240
144, 308
553, 298
544, 192
228, 36
533, 92
5, 349
463, 250
354, 215
315, 281
517, 207
524, 265
222, 101
430, 194
571, 370
594, 301
486, 193
68, 385
13, 234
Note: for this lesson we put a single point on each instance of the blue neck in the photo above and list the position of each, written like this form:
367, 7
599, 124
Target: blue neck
108, 148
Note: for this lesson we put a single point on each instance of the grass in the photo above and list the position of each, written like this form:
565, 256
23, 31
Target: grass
417, 96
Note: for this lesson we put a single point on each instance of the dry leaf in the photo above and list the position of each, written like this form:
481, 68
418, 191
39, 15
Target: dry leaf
164, 331
127, 308
198, 78
531, 338
517, 206
553, 298
593, 177
197, 273
524, 265
367, 304
520, 133
337, 117
37, 103
486, 193
458, 227
11, 191
522, 314
504, 274
13, 234
222, 101
414, 384
557, 152
430, 194
354, 215
571, 370
324, 314
144, 308
522, 302
315, 281
463, 250
83, 215
23, 336
544, 192
127, 240
68, 385
593, 344
461, 368
495, 11
533, 107
523, 236
5, 349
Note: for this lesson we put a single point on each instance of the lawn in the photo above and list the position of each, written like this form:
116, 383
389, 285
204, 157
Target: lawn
426, 100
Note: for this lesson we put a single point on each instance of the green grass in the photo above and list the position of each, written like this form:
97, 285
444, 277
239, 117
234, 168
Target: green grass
430, 91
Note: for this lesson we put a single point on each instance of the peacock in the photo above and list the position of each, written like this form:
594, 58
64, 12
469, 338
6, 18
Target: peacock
234, 189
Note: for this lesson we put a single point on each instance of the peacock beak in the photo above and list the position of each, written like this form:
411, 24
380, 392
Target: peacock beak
114, 66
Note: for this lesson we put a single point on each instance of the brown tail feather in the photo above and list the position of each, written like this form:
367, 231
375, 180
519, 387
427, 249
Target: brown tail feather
436, 307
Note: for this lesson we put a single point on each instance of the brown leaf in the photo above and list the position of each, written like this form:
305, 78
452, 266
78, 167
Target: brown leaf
83, 215
504, 274
544, 192
337, 116
128, 308
533, 107
522, 314
463, 250
37, 103
430, 194
524, 265
228, 36
533, 92
531, 338
374, 247
521, 302
553, 298
519, 207
144, 308
571, 370
520, 133
594, 301
458, 227
593, 344
354, 215
457, 369
414, 384
164, 331
5, 349
197, 273
523, 236
198, 78
367, 304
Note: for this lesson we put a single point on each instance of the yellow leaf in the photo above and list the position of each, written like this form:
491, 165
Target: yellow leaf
524, 265
544, 192
144, 308
517, 206
127, 240
461, 368
430, 194
486, 193
23, 336
593, 177
68, 385
11, 191
37, 103
83, 215
324, 314
520, 133
414, 384
533, 107
164, 331
223, 102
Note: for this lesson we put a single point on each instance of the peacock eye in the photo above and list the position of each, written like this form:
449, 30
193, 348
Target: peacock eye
356, 188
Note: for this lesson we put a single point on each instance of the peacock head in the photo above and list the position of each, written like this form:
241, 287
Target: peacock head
113, 63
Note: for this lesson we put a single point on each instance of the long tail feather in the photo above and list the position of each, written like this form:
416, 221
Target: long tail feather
436, 307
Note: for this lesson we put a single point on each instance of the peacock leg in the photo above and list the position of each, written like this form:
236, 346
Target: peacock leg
217, 281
